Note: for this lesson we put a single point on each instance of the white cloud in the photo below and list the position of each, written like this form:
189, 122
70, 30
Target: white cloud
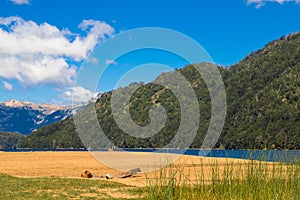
28, 37
41, 53
78, 94
36, 69
7, 86
110, 62
260, 3
93, 60
20, 2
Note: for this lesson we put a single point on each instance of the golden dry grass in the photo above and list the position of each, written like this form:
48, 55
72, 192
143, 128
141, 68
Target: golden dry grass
72, 164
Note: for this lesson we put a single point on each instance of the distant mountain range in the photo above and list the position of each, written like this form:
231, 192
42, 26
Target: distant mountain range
25, 117
263, 106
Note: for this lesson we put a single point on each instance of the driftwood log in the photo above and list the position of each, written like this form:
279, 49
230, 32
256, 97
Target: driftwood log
129, 173
86, 174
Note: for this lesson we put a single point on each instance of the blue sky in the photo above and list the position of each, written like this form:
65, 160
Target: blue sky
70, 30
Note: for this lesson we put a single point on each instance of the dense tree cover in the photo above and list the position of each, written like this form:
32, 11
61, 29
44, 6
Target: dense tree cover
263, 98
10, 140
57, 135
263, 109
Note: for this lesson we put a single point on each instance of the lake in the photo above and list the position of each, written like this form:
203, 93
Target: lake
265, 155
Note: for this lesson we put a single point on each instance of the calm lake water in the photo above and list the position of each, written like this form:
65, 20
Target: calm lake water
265, 155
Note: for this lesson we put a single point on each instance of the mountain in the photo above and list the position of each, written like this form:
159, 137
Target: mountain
263, 107
263, 93
10, 140
25, 117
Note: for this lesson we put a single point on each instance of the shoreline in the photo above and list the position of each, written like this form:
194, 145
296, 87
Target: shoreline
286, 156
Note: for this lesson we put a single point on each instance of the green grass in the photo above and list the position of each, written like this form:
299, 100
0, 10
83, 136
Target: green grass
61, 188
258, 180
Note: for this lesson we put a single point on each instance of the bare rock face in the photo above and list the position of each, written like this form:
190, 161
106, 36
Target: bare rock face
45, 108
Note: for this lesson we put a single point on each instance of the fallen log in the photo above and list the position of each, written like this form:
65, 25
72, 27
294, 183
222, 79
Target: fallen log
129, 173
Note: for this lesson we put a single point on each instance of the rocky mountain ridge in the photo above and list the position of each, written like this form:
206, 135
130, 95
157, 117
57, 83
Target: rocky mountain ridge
24, 117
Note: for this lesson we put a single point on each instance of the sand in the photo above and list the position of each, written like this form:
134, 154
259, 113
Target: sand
72, 164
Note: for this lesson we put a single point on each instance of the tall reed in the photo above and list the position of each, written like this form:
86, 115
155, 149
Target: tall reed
246, 179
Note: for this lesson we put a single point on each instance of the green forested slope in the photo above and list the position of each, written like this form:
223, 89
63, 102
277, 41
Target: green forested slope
263, 91
263, 108
10, 140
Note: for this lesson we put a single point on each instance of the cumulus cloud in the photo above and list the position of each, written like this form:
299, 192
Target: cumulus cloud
41, 53
27, 37
260, 3
35, 69
78, 94
20, 2
7, 86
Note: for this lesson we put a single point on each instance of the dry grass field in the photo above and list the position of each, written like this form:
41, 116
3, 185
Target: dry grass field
57, 175
72, 164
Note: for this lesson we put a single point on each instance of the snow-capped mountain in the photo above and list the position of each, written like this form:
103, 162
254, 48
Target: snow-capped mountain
25, 117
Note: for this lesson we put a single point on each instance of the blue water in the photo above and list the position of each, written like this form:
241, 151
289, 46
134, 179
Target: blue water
265, 155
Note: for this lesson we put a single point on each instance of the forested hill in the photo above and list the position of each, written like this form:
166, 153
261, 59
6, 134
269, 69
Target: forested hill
10, 140
263, 107
263, 92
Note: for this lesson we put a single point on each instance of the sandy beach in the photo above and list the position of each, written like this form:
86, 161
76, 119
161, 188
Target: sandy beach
72, 164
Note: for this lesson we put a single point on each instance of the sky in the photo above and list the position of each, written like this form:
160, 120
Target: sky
44, 43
